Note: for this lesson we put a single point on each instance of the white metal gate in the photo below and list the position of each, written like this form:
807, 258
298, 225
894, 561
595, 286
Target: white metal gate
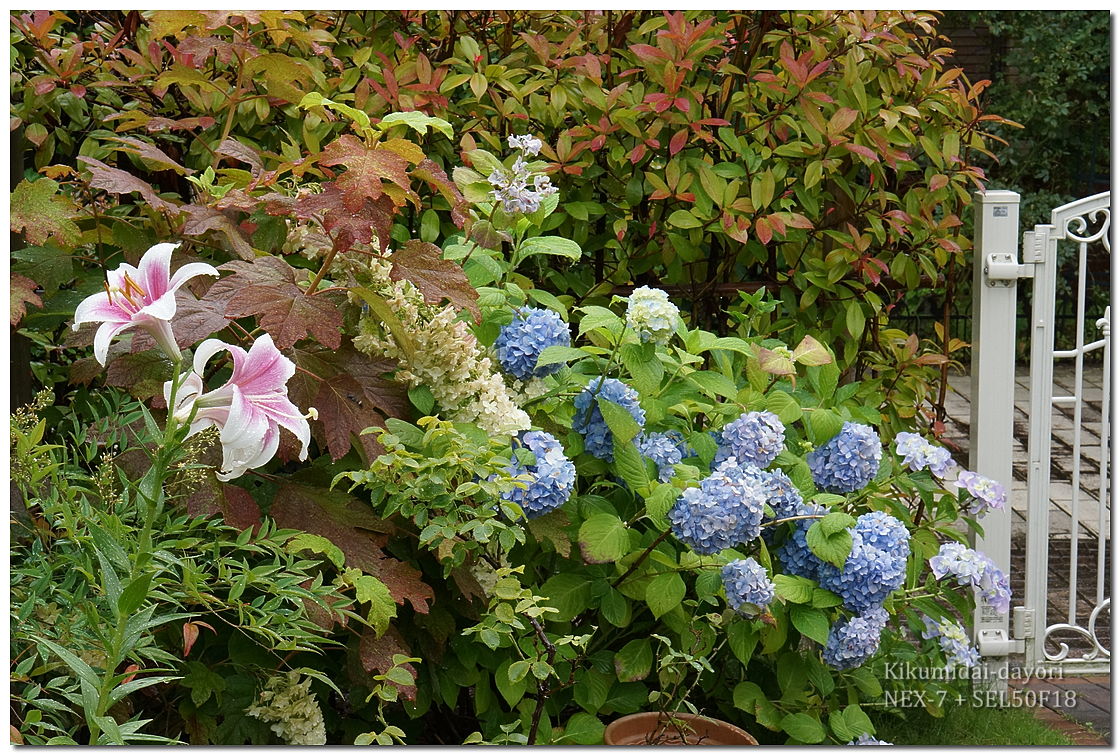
1060, 620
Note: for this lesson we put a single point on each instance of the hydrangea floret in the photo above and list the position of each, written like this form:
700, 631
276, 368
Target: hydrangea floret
918, 453
796, 557
782, 495
953, 640
588, 420
664, 449
548, 482
747, 586
447, 359
851, 641
725, 511
848, 461
881, 530
867, 739
754, 438
986, 493
519, 344
651, 315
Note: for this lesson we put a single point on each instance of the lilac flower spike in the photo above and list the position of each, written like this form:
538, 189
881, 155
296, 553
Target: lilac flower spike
249, 409
139, 296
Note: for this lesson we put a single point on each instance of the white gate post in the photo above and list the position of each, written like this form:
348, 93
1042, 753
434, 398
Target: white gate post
995, 272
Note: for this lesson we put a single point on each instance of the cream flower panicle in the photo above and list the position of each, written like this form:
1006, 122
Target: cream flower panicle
141, 296
249, 409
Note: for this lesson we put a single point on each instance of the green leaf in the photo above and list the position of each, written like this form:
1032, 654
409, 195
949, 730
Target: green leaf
517, 671
742, 638
857, 721
855, 319
568, 593
316, 544
684, 219
835, 522
598, 317
604, 538
559, 354
823, 424
511, 692
811, 352
554, 245
839, 727
592, 688
664, 593
582, 729
747, 695
622, 424
661, 501
714, 384
630, 465
633, 662
133, 595
784, 405
866, 682
811, 622
824, 598
803, 727
643, 365
418, 122
79, 667
615, 608
833, 548
793, 589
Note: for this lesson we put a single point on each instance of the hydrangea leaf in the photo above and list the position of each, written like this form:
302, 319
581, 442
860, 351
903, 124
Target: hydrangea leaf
810, 352
793, 589
803, 728
582, 729
41, 213
742, 638
568, 592
832, 548
622, 424
811, 622
633, 662
615, 608
664, 593
559, 354
630, 464
603, 538
554, 245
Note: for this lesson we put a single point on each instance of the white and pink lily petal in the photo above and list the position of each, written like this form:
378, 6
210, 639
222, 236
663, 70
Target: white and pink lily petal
249, 409
141, 296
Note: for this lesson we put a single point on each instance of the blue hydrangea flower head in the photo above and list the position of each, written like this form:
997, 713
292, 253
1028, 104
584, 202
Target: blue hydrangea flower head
852, 641
973, 568
754, 438
520, 343
986, 493
725, 511
954, 642
868, 577
748, 586
796, 557
918, 453
881, 530
848, 461
588, 420
867, 739
783, 496
651, 315
664, 449
551, 479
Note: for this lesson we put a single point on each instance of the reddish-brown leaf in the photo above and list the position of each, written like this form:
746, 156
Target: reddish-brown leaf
438, 279
436, 178
22, 293
358, 533
243, 153
377, 654
350, 392
202, 219
347, 227
143, 374
210, 498
150, 154
194, 320
266, 288
190, 634
367, 170
116, 181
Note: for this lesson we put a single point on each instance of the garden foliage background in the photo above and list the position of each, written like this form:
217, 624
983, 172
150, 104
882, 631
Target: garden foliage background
781, 175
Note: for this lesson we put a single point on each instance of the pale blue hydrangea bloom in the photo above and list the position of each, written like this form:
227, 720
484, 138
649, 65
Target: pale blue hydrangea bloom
867, 739
918, 453
519, 190
588, 420
520, 343
883, 531
651, 315
986, 493
796, 557
848, 461
868, 577
754, 438
784, 497
725, 511
852, 641
552, 477
528, 145
664, 449
973, 568
953, 640
747, 585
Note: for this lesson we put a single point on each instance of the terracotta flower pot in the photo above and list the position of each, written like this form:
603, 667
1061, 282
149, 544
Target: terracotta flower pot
679, 729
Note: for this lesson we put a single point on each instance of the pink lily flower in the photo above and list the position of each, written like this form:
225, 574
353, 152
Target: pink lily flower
249, 409
143, 296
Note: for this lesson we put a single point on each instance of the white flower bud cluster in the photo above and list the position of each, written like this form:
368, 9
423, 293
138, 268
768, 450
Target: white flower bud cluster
448, 358
312, 242
289, 705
